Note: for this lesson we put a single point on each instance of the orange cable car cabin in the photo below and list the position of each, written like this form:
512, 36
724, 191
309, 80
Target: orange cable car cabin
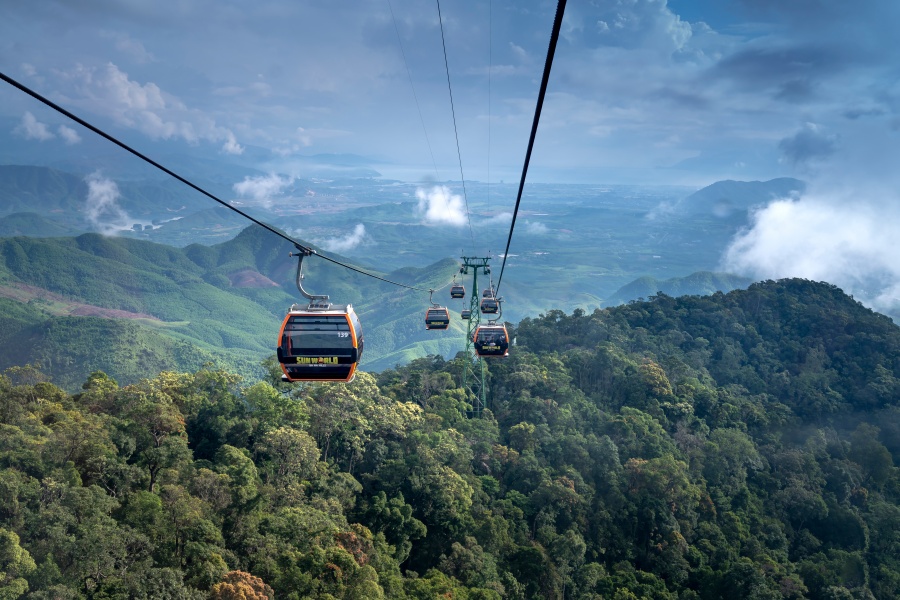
320, 343
437, 317
491, 340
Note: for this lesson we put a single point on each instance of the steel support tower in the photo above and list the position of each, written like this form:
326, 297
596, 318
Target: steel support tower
473, 373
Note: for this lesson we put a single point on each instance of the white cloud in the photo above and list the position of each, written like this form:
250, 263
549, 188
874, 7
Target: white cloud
347, 242
846, 240
263, 188
647, 24
440, 207
146, 107
129, 46
303, 137
32, 129
504, 218
102, 206
535, 228
519, 52
69, 135
231, 146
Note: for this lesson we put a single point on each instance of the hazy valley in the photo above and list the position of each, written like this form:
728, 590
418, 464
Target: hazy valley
193, 272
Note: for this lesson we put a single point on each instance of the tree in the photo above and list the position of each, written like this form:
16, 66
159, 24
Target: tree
238, 585
241, 471
157, 427
292, 455
871, 455
15, 565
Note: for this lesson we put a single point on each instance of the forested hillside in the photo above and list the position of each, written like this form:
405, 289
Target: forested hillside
729, 446
132, 307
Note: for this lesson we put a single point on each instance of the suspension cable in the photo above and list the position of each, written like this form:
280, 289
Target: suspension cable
128, 148
490, 77
413, 87
455, 132
551, 50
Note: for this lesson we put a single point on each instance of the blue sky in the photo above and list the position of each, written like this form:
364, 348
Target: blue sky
685, 91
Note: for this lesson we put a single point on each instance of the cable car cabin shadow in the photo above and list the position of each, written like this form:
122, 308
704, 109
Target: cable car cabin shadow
491, 340
320, 344
437, 318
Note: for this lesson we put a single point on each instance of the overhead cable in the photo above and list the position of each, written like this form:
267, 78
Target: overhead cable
551, 50
413, 87
126, 147
455, 132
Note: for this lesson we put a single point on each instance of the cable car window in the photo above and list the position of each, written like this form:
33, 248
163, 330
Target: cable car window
323, 332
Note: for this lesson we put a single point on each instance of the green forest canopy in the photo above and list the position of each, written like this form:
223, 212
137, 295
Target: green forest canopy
730, 446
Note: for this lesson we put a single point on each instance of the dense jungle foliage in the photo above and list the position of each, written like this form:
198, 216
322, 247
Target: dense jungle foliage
730, 446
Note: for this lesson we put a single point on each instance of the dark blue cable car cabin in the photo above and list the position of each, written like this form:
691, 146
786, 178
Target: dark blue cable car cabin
320, 345
466, 314
457, 291
437, 317
491, 340
490, 305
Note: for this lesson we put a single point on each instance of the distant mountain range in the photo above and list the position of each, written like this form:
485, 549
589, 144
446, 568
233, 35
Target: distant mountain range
732, 199
575, 247
697, 284
32, 224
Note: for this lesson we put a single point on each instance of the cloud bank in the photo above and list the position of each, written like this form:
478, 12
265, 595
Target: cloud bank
843, 239
146, 107
439, 206
263, 188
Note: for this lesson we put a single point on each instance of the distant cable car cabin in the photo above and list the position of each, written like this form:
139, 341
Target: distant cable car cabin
491, 340
488, 292
457, 291
321, 342
466, 314
437, 317
490, 305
